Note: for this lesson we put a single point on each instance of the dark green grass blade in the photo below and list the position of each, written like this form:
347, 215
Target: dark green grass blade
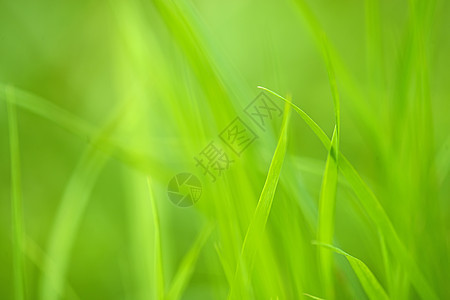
187, 266
370, 284
16, 201
373, 208
258, 222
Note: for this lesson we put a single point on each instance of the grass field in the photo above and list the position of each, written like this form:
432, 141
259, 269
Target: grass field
200, 149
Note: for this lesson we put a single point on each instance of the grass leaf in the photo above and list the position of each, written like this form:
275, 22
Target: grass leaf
370, 284
71, 210
374, 209
158, 262
187, 266
258, 222
327, 201
16, 200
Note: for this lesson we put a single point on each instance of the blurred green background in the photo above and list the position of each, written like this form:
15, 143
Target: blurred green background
114, 98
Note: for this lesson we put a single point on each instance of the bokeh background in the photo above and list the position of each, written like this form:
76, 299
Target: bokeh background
114, 98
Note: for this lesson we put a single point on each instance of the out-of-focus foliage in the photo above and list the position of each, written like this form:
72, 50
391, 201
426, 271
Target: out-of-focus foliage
102, 103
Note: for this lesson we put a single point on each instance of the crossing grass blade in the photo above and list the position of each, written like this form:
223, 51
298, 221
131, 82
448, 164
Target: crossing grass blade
158, 262
258, 222
16, 200
187, 266
70, 212
50, 111
36, 255
371, 286
312, 297
374, 210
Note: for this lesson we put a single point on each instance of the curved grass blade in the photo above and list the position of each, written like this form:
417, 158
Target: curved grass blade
373, 208
187, 266
16, 201
258, 222
370, 284
67, 222
158, 262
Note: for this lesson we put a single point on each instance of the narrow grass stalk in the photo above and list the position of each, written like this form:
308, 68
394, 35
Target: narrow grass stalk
373, 208
187, 266
83, 129
16, 201
258, 222
327, 201
158, 262
71, 211
371, 286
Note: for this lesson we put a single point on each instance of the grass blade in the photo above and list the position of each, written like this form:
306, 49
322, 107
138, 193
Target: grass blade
158, 263
187, 266
373, 208
327, 201
370, 284
70, 213
258, 222
16, 201
83, 129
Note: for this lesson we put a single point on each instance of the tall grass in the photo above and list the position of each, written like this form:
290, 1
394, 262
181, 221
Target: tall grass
128, 93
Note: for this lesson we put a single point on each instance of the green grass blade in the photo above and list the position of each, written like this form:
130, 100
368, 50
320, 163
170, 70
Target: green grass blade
258, 222
71, 210
187, 266
225, 266
359, 110
327, 201
16, 201
370, 284
37, 256
158, 262
67, 222
48, 110
312, 297
374, 209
